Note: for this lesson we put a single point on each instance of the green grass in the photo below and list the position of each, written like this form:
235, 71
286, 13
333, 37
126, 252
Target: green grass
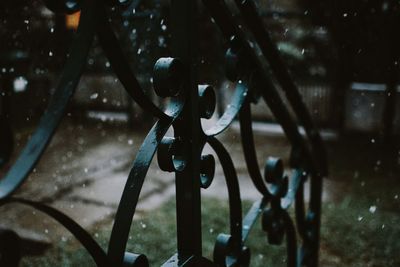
362, 227
154, 236
351, 236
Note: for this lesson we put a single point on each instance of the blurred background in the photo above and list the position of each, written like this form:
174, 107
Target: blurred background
344, 57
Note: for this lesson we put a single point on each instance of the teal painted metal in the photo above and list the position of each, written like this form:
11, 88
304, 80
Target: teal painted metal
175, 78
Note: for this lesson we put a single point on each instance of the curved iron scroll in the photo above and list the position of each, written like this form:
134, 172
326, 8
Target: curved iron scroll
175, 78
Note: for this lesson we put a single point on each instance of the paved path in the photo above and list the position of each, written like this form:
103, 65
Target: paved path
85, 168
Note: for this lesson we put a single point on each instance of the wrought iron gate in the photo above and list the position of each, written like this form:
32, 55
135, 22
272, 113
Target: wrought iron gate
175, 78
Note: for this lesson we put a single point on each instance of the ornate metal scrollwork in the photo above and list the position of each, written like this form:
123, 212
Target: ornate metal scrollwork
175, 78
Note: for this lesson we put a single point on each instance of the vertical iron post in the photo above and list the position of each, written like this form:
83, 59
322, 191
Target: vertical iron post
187, 129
